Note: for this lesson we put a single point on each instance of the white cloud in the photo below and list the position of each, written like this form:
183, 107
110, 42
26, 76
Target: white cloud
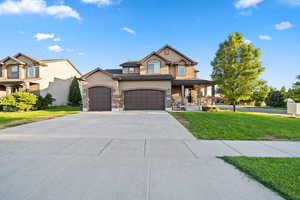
128, 30
55, 48
102, 2
57, 39
291, 2
37, 7
43, 36
265, 37
283, 26
248, 41
81, 53
242, 4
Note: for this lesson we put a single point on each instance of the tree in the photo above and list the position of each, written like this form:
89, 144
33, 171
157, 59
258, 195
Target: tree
260, 92
296, 90
236, 68
74, 93
276, 98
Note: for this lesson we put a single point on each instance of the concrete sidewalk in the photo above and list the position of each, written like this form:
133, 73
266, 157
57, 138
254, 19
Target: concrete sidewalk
126, 156
36, 168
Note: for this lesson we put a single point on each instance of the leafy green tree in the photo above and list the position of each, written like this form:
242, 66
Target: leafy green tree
260, 92
236, 68
74, 93
296, 90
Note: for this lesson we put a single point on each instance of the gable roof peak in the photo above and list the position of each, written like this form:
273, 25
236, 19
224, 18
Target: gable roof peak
178, 52
38, 61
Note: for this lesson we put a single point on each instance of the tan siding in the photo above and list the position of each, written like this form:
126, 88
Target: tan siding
164, 69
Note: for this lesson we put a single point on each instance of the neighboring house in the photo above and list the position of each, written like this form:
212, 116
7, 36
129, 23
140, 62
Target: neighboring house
25, 73
161, 78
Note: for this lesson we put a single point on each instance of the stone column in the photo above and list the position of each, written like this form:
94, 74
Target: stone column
8, 90
205, 91
182, 94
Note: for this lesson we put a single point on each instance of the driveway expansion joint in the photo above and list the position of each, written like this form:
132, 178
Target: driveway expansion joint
232, 148
188, 147
105, 147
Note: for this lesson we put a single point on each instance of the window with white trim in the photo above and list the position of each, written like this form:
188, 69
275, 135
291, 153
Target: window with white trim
153, 67
31, 71
14, 73
181, 70
131, 70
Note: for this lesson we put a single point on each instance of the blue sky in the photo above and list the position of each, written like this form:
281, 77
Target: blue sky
105, 33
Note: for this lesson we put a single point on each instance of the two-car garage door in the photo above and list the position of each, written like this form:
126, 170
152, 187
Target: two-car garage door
143, 99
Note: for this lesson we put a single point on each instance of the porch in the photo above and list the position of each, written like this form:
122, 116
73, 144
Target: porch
193, 92
9, 87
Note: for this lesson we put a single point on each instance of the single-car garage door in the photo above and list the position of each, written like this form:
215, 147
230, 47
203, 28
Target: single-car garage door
100, 99
144, 100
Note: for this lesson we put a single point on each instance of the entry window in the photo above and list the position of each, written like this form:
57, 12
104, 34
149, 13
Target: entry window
31, 71
14, 72
181, 70
154, 67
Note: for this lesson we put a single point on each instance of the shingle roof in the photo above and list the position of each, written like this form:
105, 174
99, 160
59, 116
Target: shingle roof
133, 63
114, 71
191, 82
144, 77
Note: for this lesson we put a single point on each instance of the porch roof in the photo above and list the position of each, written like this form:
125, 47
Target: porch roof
191, 82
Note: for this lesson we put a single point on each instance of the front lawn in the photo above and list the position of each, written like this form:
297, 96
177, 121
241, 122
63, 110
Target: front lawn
279, 174
239, 126
9, 119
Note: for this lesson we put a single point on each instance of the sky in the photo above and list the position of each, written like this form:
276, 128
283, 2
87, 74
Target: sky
106, 33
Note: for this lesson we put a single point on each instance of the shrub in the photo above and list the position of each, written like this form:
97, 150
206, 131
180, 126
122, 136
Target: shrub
44, 102
74, 93
210, 109
8, 103
20, 101
24, 101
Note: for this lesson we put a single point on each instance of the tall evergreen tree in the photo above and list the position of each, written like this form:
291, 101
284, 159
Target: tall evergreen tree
236, 68
74, 93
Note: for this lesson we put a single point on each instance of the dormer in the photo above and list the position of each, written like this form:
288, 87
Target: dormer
131, 67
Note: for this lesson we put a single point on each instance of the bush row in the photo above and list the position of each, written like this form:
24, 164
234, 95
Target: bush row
22, 101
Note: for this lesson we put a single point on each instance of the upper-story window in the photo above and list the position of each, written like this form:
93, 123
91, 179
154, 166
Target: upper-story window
31, 72
131, 70
154, 67
181, 70
1, 71
14, 72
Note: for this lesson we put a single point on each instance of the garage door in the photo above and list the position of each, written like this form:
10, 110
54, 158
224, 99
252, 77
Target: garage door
144, 100
100, 99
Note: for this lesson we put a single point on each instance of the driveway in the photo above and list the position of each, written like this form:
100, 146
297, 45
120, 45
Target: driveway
126, 156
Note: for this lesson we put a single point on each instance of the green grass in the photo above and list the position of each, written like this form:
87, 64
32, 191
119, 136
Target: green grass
279, 174
239, 126
9, 119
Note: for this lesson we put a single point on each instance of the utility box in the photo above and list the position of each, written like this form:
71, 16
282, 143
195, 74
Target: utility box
293, 108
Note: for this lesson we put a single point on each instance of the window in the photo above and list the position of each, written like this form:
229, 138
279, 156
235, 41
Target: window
31, 72
131, 70
14, 72
1, 71
181, 70
154, 67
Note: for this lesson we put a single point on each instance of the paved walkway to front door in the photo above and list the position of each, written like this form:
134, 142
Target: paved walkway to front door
126, 156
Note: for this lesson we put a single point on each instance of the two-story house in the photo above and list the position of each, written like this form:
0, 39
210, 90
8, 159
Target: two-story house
161, 78
25, 73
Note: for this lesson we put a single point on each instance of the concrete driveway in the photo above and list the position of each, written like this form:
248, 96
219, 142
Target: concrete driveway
126, 156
